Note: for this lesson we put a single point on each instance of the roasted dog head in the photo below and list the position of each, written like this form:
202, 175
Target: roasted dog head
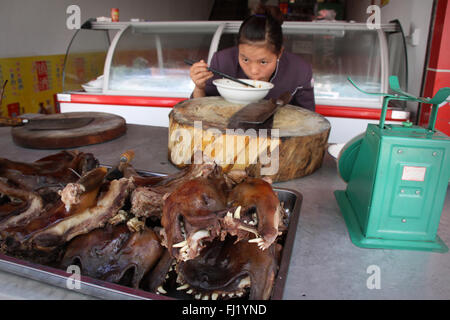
191, 215
226, 269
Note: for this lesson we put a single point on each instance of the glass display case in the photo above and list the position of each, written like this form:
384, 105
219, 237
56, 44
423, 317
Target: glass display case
145, 62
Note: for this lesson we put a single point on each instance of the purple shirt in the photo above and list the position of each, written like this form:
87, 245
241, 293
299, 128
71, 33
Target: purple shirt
292, 74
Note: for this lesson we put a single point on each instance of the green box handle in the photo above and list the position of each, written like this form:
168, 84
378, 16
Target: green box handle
439, 97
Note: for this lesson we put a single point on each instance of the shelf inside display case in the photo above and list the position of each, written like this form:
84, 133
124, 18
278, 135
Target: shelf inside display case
147, 58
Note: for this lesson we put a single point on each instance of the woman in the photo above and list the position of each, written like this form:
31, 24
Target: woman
259, 55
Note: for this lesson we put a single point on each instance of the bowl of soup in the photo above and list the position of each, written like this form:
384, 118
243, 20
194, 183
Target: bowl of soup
235, 92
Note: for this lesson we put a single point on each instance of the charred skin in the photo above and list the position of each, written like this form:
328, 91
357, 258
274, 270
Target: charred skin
124, 169
21, 207
199, 208
60, 168
227, 269
33, 187
57, 225
160, 273
255, 195
191, 216
113, 253
90, 184
106, 206
83, 193
147, 199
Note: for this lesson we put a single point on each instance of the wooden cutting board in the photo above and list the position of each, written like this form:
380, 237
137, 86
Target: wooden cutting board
201, 124
104, 127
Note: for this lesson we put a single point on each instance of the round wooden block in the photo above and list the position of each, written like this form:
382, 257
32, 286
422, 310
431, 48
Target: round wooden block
104, 127
293, 148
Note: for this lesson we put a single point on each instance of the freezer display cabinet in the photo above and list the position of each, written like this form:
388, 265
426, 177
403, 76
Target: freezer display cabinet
137, 69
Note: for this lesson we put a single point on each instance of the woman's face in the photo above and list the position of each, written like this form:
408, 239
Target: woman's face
258, 62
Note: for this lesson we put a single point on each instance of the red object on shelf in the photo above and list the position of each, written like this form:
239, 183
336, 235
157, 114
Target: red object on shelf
114, 14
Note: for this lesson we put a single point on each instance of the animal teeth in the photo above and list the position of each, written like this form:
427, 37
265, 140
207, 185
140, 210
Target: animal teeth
229, 214
183, 287
161, 289
206, 297
257, 240
180, 244
200, 235
198, 296
165, 196
244, 282
189, 291
214, 296
15, 200
199, 174
183, 230
237, 213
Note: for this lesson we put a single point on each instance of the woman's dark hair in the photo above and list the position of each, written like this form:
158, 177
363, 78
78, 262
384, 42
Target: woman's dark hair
264, 25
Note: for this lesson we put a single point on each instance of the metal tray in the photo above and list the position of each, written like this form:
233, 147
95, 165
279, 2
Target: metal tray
106, 290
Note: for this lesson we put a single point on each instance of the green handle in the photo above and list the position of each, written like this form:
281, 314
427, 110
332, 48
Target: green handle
394, 84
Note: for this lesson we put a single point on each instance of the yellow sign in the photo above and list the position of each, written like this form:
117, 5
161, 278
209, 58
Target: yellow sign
33, 82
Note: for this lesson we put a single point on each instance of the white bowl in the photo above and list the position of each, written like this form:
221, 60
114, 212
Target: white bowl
95, 85
91, 88
238, 93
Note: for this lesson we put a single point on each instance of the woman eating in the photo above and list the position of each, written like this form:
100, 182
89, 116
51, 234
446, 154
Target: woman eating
260, 55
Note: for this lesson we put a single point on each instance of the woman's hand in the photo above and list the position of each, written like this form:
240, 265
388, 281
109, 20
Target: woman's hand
199, 74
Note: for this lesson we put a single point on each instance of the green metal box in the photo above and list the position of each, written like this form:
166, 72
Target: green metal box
397, 187
397, 178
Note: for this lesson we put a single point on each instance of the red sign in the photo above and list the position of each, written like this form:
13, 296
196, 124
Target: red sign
42, 75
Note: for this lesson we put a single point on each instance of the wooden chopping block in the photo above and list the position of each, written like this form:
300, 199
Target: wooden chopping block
293, 148
104, 127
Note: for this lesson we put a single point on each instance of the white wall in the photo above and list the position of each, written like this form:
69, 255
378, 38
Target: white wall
412, 14
38, 27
